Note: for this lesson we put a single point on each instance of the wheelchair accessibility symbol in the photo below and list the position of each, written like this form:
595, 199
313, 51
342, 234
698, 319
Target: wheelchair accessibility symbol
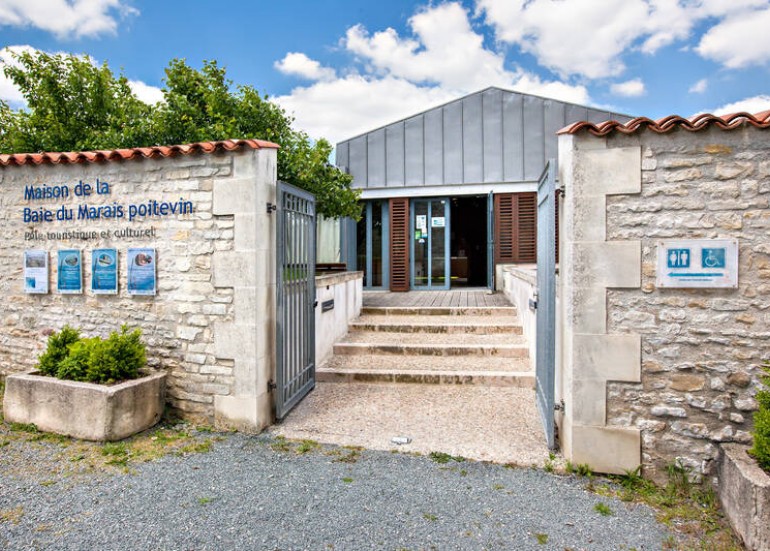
712, 258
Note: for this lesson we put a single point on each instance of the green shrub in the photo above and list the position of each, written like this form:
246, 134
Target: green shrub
117, 358
761, 448
57, 350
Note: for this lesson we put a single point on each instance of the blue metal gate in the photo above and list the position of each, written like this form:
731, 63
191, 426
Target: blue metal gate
295, 297
546, 299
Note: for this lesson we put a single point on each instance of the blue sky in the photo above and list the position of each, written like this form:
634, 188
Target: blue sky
343, 67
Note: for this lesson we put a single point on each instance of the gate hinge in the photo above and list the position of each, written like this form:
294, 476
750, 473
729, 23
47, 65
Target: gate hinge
559, 406
533, 302
271, 208
271, 386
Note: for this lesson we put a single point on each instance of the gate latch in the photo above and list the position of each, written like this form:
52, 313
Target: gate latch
533, 302
271, 208
271, 386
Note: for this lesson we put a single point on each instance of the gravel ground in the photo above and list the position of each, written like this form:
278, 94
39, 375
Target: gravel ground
256, 492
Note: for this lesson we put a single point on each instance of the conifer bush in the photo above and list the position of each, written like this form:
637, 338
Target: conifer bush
761, 449
95, 360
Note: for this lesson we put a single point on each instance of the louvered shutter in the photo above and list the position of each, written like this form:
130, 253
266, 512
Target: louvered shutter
399, 244
515, 228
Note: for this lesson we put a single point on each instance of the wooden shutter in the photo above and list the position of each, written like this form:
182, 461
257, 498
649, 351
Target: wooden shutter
399, 244
515, 228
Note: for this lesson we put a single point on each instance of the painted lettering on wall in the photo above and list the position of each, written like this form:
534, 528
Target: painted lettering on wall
134, 211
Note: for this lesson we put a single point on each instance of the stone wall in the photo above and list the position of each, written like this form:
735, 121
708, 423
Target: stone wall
213, 271
695, 354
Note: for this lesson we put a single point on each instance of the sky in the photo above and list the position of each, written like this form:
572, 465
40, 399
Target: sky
343, 67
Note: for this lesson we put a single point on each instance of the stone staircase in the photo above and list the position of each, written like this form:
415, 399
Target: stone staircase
433, 345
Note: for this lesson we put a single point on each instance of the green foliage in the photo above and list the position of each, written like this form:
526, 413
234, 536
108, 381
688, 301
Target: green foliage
603, 509
441, 457
118, 358
74, 105
761, 448
57, 350
94, 360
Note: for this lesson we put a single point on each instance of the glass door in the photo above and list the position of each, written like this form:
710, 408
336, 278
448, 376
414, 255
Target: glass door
372, 244
430, 243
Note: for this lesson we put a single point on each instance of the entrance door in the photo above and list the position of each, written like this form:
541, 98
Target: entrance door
429, 236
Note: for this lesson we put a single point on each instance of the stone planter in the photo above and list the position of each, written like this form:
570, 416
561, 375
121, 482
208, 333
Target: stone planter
744, 491
85, 410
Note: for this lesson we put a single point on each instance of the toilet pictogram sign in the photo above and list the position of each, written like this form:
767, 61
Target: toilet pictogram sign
698, 263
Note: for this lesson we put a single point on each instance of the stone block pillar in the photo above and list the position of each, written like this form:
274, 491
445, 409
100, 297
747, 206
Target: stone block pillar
248, 268
590, 265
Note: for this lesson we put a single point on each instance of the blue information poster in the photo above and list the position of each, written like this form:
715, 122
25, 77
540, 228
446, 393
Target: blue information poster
104, 271
36, 272
141, 272
70, 271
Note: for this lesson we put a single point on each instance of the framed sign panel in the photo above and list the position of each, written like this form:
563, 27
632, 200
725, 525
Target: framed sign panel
142, 278
36, 272
104, 271
698, 263
69, 277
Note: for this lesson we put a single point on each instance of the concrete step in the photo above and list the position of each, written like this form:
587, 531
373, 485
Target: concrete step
438, 324
487, 371
484, 378
509, 311
427, 363
518, 350
377, 338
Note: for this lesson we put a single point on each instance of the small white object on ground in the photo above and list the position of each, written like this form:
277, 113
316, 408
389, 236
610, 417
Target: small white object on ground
401, 440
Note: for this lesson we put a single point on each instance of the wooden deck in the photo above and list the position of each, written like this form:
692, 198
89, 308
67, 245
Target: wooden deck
454, 298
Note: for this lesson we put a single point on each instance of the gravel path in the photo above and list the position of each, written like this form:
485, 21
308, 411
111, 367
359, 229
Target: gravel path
261, 493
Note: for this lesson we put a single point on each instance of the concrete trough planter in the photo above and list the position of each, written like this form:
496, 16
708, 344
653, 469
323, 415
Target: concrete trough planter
744, 491
85, 410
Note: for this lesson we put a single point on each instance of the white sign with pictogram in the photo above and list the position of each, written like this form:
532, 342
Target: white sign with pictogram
698, 263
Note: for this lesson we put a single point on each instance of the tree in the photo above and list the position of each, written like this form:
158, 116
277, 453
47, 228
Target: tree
74, 105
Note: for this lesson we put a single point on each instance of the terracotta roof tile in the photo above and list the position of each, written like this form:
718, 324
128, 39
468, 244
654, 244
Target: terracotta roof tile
133, 153
667, 124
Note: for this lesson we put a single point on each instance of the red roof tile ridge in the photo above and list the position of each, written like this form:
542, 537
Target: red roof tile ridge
150, 152
667, 124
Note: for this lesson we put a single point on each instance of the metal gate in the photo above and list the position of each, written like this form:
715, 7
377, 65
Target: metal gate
546, 298
295, 297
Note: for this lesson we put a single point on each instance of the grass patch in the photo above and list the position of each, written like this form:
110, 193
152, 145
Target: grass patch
603, 509
690, 509
347, 480
542, 539
430, 517
307, 445
204, 500
441, 457
13, 515
24, 427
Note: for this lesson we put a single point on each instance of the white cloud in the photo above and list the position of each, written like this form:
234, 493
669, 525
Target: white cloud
8, 90
752, 105
345, 107
397, 76
590, 37
739, 41
148, 94
65, 18
699, 87
298, 64
630, 88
